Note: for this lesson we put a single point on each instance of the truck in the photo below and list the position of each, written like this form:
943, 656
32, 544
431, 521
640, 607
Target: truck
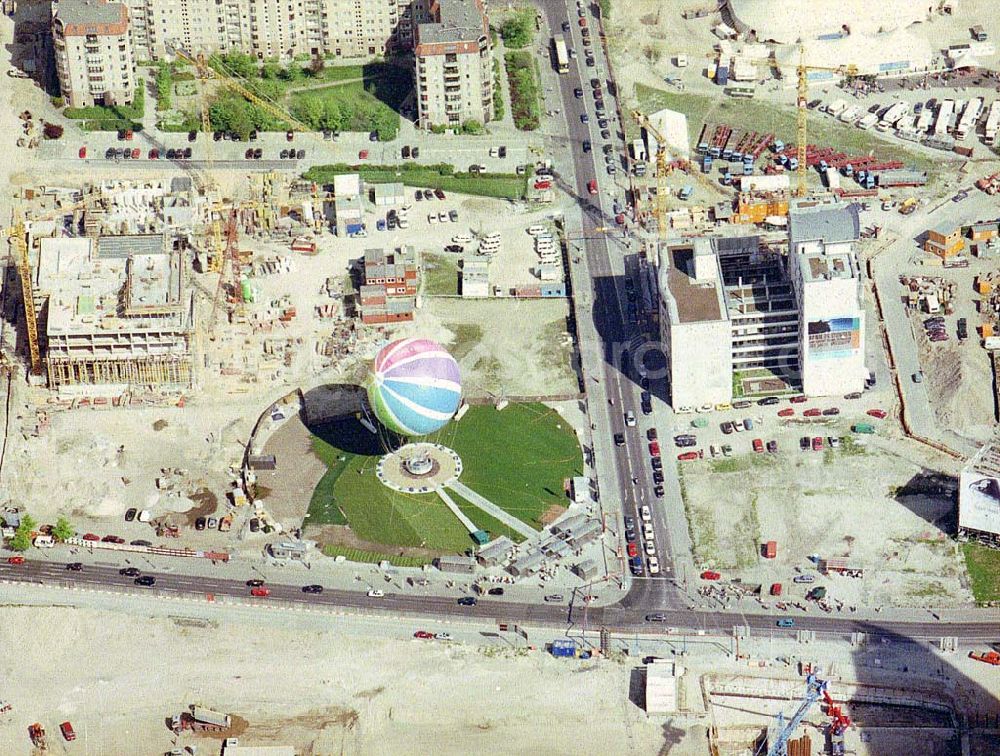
908, 206
722, 75
562, 57
978, 33
568, 649
208, 716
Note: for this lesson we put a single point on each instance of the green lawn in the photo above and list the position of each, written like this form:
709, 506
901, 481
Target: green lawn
540, 452
500, 185
440, 274
525, 92
113, 117
374, 557
984, 571
372, 104
763, 116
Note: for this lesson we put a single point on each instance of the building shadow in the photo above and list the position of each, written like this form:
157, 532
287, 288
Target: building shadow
334, 414
932, 496
637, 687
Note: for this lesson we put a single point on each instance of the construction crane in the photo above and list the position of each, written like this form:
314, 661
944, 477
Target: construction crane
663, 169
802, 114
814, 689
230, 256
18, 237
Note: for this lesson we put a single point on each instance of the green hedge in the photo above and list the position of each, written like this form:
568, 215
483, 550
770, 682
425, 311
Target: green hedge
525, 94
442, 176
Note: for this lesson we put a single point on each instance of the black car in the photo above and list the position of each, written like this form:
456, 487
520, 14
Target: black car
651, 434
657, 476
418, 195
629, 521
373, 136
831, 411
658, 617
415, 152
768, 400
146, 580
656, 462
192, 136
187, 153
300, 155
586, 145
255, 583
467, 601
591, 62
217, 136
109, 153
813, 104
284, 154
502, 151
140, 542
129, 572
565, 26
74, 566
312, 589
171, 154
405, 152
619, 439
258, 153
578, 93
495, 591
805, 444
254, 524
603, 123
605, 134
455, 249
772, 447
199, 524
630, 535
658, 492
248, 155
130, 514
607, 150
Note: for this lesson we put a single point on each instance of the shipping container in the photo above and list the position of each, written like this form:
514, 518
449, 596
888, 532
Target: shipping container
722, 75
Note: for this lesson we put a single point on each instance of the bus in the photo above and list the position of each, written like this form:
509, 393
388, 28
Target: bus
562, 59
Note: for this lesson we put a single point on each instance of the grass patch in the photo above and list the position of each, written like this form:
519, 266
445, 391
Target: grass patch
525, 94
851, 448
557, 347
764, 116
498, 185
931, 590
540, 451
742, 463
748, 547
374, 557
111, 117
498, 102
467, 338
368, 105
983, 565
440, 275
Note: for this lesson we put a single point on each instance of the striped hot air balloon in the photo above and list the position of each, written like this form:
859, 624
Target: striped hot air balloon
414, 387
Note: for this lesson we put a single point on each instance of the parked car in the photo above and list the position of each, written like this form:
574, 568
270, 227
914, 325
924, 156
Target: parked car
658, 492
200, 523
91, 537
772, 446
786, 412
439, 193
685, 457
758, 446
113, 539
552, 597
130, 514
880, 414
254, 524
804, 579
812, 412
798, 399
817, 443
67, 731
140, 542
768, 400
710, 575
423, 635
829, 412
633, 549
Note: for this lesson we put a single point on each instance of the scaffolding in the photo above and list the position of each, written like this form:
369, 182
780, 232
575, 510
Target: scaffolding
155, 372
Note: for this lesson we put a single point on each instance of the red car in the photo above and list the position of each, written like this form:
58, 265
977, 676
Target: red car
583, 21
423, 635
620, 219
654, 448
633, 549
786, 412
592, 186
363, 155
758, 446
798, 399
814, 412
67, 731
687, 456
136, 152
91, 537
113, 539
710, 575
260, 591
154, 154
15, 560
543, 185
880, 414
818, 443
83, 152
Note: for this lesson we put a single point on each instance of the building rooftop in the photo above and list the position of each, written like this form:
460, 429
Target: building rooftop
392, 264
81, 17
820, 267
459, 21
945, 228
829, 222
695, 301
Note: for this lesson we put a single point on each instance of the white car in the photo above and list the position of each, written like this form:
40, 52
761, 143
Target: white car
653, 563
706, 408
738, 426
536, 230
647, 530
650, 548
645, 514
443, 636
461, 239
684, 410
376, 593
443, 217
432, 218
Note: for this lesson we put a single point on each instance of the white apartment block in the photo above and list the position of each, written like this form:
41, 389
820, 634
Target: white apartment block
274, 28
454, 76
93, 52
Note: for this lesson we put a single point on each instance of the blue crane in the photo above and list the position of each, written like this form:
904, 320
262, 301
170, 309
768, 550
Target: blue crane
814, 689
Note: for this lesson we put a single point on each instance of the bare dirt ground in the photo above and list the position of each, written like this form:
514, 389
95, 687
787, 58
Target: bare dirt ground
321, 692
871, 506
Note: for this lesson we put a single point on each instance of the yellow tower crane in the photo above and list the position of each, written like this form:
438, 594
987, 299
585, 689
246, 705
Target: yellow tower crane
18, 237
663, 170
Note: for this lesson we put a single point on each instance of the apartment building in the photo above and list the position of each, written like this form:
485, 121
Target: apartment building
273, 28
93, 52
454, 76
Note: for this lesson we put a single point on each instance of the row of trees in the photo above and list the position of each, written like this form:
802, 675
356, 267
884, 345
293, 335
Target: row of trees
21, 540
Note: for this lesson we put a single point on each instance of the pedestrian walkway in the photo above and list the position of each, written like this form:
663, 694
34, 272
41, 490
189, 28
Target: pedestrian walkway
492, 509
450, 503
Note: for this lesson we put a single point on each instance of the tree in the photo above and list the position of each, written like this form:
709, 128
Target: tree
271, 70
294, 72
316, 66
472, 126
333, 116
22, 536
232, 113
310, 110
63, 529
239, 64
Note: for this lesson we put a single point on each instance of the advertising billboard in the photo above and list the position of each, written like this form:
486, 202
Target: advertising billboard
836, 338
979, 502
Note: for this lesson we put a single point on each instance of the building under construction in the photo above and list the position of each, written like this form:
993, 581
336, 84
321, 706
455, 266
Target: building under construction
115, 310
